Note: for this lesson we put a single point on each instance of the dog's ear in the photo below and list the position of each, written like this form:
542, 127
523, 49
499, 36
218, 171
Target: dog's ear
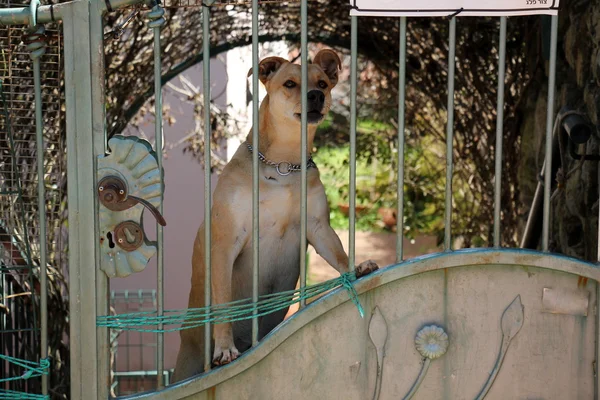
267, 67
330, 63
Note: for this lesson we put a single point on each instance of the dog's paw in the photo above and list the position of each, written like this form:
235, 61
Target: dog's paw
366, 268
225, 355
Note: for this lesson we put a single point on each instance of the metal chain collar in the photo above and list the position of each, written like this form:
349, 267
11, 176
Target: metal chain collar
283, 168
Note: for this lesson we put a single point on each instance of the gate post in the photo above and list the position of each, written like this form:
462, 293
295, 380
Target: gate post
84, 92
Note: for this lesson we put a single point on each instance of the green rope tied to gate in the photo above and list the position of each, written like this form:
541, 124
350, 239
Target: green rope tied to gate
347, 282
14, 395
238, 310
33, 368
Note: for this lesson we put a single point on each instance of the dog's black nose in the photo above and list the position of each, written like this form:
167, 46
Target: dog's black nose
316, 95
316, 99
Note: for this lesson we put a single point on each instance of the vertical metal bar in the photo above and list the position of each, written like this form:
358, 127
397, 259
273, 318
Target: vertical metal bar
499, 130
96, 45
158, 138
255, 146
82, 29
596, 374
4, 339
401, 100
353, 85
596, 366
304, 142
207, 178
449, 136
549, 123
39, 135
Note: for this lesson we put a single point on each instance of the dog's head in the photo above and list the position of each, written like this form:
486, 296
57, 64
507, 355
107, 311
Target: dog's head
283, 79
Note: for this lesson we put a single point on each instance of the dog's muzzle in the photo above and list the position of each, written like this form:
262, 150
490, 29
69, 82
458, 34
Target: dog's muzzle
316, 101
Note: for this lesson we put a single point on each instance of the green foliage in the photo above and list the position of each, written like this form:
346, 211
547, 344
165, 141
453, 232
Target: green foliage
424, 187
376, 179
334, 167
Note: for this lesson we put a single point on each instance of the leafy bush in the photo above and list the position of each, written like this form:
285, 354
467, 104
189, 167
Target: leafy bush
376, 178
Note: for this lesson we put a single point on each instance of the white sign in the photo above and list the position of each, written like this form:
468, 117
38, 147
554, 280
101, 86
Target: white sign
429, 8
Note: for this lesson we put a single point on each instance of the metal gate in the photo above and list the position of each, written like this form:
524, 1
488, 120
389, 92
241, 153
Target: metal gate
504, 323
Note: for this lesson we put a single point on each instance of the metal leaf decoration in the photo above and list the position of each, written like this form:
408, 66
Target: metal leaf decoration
511, 323
512, 319
378, 333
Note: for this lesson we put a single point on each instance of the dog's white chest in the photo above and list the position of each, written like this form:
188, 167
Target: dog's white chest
279, 212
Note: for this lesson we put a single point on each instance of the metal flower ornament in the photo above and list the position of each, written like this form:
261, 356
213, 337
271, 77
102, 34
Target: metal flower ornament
431, 342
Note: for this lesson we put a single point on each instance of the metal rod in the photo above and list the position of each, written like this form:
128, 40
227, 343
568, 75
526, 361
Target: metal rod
39, 129
158, 138
136, 374
207, 180
596, 374
21, 15
353, 85
413, 390
449, 136
255, 188
499, 130
401, 100
304, 145
96, 43
549, 123
597, 385
531, 233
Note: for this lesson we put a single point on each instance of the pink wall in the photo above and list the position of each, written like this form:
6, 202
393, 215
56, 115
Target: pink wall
183, 211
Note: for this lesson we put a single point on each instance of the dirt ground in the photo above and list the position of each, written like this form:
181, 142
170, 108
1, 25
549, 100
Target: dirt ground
379, 247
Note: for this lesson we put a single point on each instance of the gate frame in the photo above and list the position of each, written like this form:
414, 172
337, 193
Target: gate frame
86, 140
82, 27
85, 94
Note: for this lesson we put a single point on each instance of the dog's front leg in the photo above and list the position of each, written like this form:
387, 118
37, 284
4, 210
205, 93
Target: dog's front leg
324, 239
328, 245
228, 239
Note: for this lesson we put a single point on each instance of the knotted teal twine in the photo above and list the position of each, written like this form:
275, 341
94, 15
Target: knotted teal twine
14, 395
228, 312
347, 280
33, 370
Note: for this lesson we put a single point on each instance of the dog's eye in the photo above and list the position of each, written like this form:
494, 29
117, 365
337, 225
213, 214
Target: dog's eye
289, 84
322, 84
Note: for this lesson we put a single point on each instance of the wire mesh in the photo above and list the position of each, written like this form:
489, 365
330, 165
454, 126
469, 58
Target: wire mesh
133, 358
19, 227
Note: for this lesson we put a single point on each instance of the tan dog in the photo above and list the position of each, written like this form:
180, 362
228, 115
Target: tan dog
279, 212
